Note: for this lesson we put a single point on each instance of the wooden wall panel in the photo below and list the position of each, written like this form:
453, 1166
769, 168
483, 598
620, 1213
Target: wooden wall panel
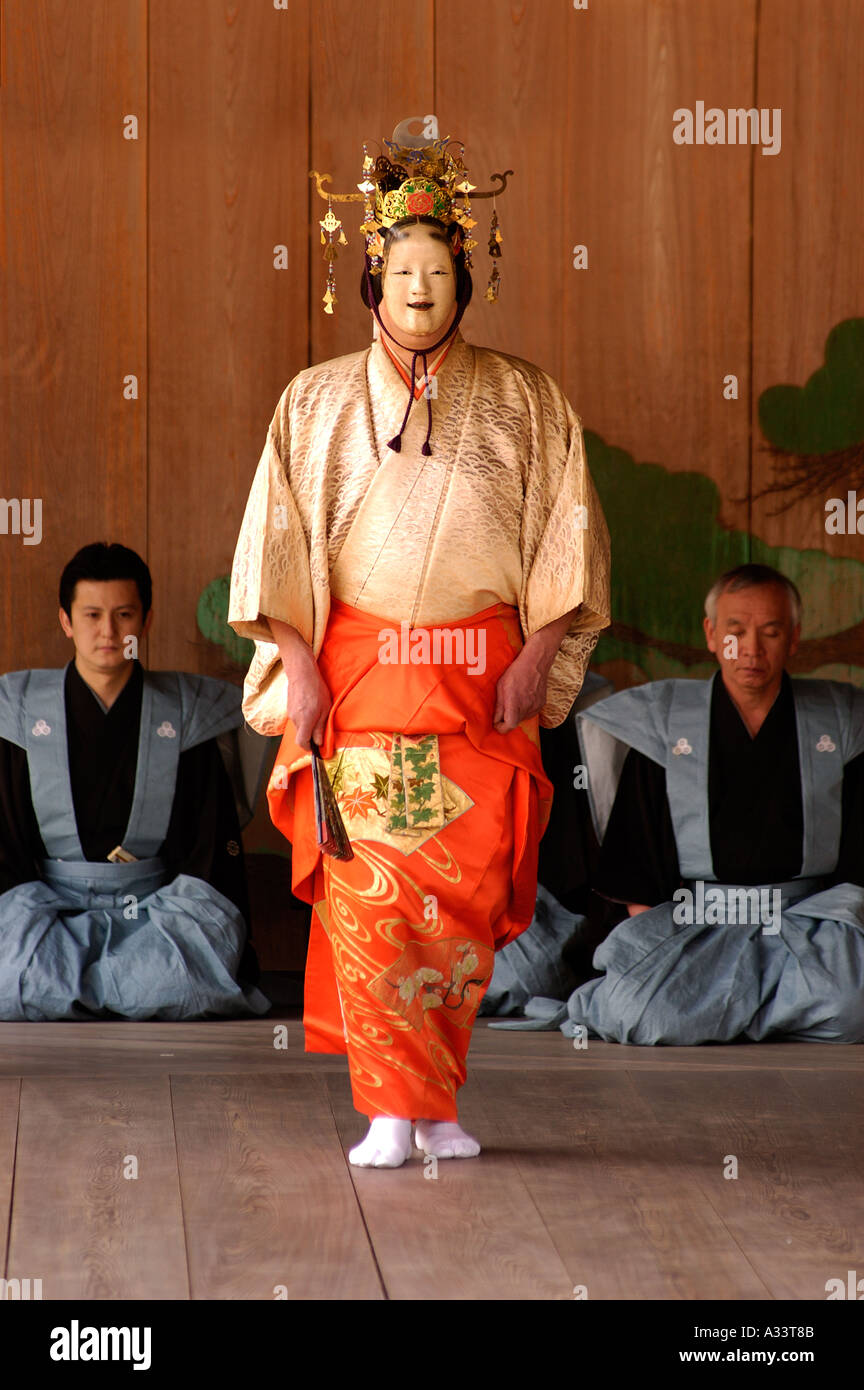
580, 104
679, 218
228, 173
372, 66
501, 87
72, 258
244, 99
155, 257
809, 278
809, 211
663, 311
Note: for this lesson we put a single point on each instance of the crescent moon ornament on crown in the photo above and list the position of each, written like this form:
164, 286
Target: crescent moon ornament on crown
420, 175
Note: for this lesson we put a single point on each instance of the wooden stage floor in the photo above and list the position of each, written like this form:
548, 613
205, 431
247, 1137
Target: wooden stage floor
602, 1170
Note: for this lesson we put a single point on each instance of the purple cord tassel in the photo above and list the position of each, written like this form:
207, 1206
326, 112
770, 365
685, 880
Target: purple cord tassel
396, 442
427, 447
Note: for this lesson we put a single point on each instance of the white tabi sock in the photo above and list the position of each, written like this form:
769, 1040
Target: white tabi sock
387, 1145
445, 1139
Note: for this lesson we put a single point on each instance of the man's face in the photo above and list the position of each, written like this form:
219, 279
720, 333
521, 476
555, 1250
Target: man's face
418, 283
753, 638
103, 615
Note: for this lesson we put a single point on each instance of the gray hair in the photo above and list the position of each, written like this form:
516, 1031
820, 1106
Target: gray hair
751, 577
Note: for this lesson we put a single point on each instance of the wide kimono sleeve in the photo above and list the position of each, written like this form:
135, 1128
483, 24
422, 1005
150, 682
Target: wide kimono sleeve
565, 544
271, 577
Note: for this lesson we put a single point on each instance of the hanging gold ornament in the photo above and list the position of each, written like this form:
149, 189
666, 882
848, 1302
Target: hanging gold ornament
330, 224
495, 240
495, 237
492, 288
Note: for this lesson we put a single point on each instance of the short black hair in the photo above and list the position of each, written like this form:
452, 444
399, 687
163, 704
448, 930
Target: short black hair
752, 576
101, 563
447, 233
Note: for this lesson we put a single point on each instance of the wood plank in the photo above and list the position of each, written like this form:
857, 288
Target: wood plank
601, 1168
470, 1233
116, 1049
524, 1049
72, 246
228, 183
757, 1093
267, 1200
796, 1208
10, 1094
627, 1218
148, 1049
77, 1223
828, 1094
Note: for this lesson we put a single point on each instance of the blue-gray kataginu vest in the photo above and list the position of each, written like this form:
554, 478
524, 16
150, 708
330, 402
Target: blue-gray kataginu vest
178, 711
670, 722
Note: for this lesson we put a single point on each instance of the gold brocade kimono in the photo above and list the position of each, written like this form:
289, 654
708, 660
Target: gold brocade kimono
503, 510
499, 528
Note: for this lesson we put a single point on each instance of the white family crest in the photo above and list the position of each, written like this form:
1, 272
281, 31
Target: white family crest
166, 729
825, 745
40, 728
682, 746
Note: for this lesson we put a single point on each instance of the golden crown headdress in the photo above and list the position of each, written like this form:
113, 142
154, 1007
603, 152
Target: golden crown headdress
420, 175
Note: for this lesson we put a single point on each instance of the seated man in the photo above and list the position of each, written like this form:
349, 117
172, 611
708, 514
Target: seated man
122, 885
736, 839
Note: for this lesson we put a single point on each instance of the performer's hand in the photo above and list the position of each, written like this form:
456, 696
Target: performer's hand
309, 700
521, 691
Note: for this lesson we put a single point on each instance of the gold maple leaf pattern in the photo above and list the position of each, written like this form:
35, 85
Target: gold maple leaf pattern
382, 785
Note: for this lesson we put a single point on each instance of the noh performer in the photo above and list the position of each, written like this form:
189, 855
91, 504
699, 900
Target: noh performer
423, 565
